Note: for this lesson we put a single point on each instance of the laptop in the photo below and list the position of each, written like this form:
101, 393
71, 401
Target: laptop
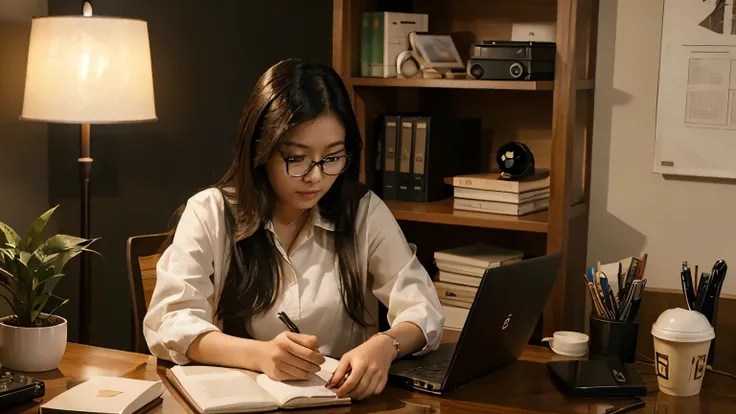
502, 318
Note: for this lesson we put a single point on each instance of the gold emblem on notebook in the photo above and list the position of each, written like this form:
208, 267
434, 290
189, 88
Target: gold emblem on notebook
108, 393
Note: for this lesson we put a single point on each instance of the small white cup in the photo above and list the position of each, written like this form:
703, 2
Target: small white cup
681, 343
568, 343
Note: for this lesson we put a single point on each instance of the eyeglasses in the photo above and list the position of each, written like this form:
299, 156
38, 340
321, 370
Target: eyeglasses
301, 166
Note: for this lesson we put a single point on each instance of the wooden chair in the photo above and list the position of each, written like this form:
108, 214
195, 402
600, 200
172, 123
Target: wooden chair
142, 254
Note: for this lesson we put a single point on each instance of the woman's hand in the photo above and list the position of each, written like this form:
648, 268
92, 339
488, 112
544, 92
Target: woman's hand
290, 356
367, 368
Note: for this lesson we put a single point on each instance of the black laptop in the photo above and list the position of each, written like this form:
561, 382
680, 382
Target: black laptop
506, 309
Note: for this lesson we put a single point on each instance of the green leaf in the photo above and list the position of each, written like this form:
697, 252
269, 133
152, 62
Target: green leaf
63, 302
23, 275
12, 306
8, 236
61, 243
33, 238
7, 253
24, 257
48, 284
59, 260
8, 284
38, 305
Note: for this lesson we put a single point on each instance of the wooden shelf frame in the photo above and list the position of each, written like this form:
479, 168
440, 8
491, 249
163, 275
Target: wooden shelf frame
584, 84
441, 212
564, 226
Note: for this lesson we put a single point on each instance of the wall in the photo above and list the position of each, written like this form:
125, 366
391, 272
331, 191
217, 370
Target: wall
205, 61
23, 157
633, 210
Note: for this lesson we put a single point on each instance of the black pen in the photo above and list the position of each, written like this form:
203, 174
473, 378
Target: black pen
287, 321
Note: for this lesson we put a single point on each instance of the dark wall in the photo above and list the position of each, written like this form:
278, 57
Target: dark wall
23, 165
206, 58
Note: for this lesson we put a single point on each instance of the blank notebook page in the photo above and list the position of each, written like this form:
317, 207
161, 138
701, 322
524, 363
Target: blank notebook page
220, 389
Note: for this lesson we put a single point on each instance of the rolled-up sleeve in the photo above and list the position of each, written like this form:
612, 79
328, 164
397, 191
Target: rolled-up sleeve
180, 309
400, 282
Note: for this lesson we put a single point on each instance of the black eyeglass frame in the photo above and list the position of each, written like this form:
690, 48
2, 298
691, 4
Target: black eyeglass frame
321, 164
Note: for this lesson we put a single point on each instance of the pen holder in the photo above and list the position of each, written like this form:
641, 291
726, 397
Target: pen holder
613, 339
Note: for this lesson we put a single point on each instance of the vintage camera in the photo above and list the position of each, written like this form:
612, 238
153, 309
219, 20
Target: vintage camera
504, 60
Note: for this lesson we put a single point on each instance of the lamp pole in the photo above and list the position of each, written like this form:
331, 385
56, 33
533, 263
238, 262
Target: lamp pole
85, 175
85, 285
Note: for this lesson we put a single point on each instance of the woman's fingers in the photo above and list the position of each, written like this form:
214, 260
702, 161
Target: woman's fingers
302, 364
356, 374
304, 347
342, 369
294, 372
363, 389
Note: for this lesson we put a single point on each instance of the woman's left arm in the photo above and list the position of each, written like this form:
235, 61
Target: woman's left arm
415, 314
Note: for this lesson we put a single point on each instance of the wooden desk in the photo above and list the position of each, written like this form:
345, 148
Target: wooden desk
520, 388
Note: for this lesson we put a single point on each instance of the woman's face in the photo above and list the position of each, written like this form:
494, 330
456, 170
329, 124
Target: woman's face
321, 139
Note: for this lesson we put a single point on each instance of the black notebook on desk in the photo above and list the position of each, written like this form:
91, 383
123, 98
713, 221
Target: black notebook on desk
596, 378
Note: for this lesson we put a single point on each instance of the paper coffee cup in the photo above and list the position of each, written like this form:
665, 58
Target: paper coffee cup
681, 344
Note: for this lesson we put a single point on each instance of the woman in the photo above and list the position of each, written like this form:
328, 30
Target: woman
289, 229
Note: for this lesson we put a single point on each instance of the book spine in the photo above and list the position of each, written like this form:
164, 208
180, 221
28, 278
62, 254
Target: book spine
406, 136
378, 44
500, 208
455, 292
390, 178
500, 196
486, 184
418, 186
365, 43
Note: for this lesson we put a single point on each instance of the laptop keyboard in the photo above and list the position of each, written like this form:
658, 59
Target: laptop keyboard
434, 372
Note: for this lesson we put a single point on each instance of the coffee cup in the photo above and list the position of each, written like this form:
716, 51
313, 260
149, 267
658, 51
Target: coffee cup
568, 343
681, 343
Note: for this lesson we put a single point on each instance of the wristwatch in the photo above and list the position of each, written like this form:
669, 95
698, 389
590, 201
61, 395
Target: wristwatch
395, 343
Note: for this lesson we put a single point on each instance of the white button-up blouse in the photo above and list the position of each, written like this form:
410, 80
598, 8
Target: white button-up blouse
191, 273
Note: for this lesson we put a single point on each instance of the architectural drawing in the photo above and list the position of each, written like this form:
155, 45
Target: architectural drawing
696, 102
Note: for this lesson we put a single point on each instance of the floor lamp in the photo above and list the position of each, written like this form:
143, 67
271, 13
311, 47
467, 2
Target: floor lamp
88, 70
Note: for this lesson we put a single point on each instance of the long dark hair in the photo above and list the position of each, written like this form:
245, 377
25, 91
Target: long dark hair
289, 93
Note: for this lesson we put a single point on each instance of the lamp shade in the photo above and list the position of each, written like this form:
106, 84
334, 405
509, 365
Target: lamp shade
88, 70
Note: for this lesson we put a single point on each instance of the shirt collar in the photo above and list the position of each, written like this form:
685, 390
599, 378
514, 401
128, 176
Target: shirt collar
315, 219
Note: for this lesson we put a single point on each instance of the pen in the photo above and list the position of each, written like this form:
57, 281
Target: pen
287, 321
687, 286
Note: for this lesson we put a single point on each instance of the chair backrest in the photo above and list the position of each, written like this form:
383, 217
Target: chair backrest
142, 254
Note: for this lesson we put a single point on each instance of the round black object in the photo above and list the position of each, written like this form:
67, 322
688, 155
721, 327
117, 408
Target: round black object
516, 70
476, 71
515, 161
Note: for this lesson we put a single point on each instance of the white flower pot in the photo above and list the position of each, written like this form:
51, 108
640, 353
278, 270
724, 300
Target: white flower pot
32, 349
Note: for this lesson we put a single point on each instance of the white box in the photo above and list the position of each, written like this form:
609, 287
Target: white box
390, 37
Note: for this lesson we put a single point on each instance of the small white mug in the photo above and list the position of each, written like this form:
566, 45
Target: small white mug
568, 343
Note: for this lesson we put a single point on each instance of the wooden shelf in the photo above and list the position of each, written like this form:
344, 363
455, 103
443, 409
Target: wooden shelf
441, 212
465, 84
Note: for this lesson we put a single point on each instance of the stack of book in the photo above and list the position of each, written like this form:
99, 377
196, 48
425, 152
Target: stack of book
489, 194
461, 270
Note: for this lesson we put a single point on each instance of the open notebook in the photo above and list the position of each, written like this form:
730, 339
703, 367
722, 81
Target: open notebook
227, 390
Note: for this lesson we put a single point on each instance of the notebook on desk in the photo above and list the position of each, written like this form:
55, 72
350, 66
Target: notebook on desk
501, 320
219, 390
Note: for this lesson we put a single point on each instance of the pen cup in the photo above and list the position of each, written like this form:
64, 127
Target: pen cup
613, 339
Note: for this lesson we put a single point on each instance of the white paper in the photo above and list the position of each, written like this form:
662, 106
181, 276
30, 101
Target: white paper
696, 108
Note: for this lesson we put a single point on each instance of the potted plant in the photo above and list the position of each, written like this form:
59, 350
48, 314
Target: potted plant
33, 339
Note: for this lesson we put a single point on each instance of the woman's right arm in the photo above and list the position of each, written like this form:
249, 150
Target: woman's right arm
178, 325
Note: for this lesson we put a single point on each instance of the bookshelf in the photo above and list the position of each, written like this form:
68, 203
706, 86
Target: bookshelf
554, 118
463, 84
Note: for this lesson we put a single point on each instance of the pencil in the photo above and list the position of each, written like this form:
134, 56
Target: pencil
697, 279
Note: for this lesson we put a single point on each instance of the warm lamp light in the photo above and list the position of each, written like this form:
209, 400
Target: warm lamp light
88, 70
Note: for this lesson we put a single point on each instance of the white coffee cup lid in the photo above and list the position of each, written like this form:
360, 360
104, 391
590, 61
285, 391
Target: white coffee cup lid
682, 325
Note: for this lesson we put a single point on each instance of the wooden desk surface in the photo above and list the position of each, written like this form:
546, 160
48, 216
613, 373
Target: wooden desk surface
523, 387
